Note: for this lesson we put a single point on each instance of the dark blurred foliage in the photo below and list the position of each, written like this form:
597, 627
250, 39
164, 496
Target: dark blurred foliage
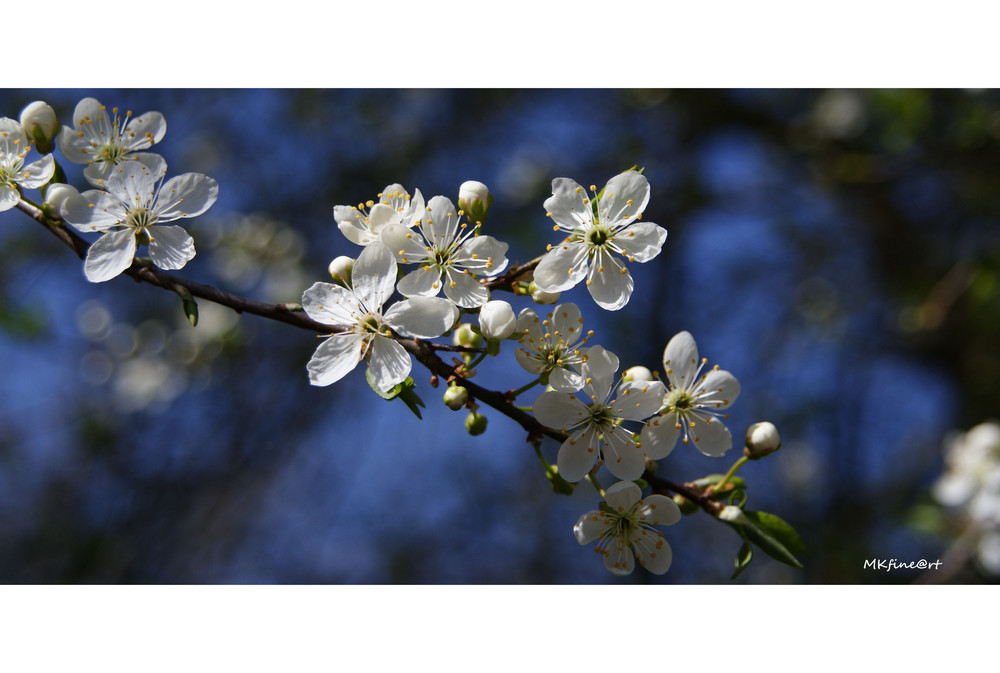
838, 251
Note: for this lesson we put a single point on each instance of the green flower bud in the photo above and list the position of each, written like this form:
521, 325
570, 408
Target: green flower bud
340, 270
497, 320
542, 297
456, 397
465, 336
40, 123
475, 423
762, 440
638, 373
475, 199
687, 507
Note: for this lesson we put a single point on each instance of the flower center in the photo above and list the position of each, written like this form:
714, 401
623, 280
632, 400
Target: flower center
140, 218
597, 236
601, 416
112, 153
679, 399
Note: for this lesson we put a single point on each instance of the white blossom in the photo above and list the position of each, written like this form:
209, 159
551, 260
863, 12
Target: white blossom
693, 404
369, 331
363, 223
14, 147
599, 228
450, 254
135, 208
624, 529
497, 320
102, 140
39, 118
594, 428
553, 346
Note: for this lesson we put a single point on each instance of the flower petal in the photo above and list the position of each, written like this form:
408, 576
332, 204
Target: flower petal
680, 360
641, 241
109, 255
36, 174
144, 131
638, 400
577, 455
374, 276
9, 197
565, 380
654, 552
423, 317
532, 364
440, 222
717, 390
170, 247
618, 558
389, 363
562, 267
610, 283
599, 367
567, 323
335, 357
330, 304
464, 289
482, 255
659, 436
407, 244
625, 196
569, 205
559, 410
590, 526
424, 281
659, 510
710, 436
186, 195
621, 455
621, 495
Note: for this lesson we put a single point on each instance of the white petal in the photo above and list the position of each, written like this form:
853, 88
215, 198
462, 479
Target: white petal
710, 436
424, 281
330, 304
567, 323
151, 123
680, 360
562, 267
624, 187
423, 317
72, 146
109, 256
600, 367
464, 289
36, 174
440, 222
186, 195
638, 400
407, 244
530, 326
659, 436
565, 380
389, 363
482, 255
566, 204
170, 247
577, 455
559, 410
92, 211
656, 561
9, 197
621, 495
717, 390
953, 489
590, 526
641, 240
335, 357
610, 283
621, 456
374, 275
531, 363
659, 510
619, 559
133, 182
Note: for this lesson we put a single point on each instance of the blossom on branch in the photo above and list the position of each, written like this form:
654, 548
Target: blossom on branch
362, 224
102, 140
624, 529
369, 334
600, 227
14, 147
134, 210
450, 255
553, 347
594, 428
693, 404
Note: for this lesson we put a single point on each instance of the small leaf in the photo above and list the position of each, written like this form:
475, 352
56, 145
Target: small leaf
736, 482
780, 530
381, 393
749, 529
411, 399
743, 558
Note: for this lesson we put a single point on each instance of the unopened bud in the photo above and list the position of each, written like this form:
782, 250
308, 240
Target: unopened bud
542, 297
41, 124
497, 320
55, 195
637, 373
733, 514
455, 398
475, 199
762, 440
465, 336
475, 423
687, 506
340, 270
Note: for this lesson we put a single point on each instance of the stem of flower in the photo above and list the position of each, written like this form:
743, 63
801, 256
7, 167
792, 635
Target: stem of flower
729, 475
592, 478
512, 395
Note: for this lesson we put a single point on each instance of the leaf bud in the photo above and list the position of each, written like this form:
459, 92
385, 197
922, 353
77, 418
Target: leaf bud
40, 123
762, 440
465, 336
497, 320
637, 373
340, 270
475, 200
456, 397
475, 423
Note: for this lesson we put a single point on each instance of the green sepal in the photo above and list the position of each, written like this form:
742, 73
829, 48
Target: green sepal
493, 347
743, 558
558, 484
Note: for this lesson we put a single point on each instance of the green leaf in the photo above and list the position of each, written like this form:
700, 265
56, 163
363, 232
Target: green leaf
780, 530
411, 400
746, 524
385, 395
403, 391
708, 480
743, 558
